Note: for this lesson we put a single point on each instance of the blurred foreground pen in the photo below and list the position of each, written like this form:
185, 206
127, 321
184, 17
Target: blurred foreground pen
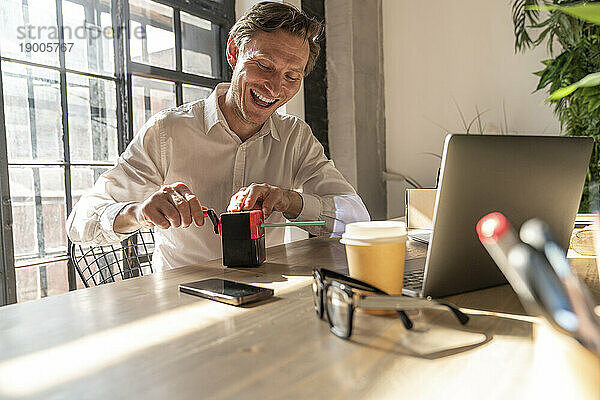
546, 287
541, 290
537, 234
527, 271
498, 237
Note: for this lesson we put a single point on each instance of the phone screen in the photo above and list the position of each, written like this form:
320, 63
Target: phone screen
225, 287
224, 291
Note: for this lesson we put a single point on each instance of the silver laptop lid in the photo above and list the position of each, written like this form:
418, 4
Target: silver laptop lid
522, 177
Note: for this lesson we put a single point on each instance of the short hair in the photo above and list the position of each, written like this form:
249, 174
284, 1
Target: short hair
269, 16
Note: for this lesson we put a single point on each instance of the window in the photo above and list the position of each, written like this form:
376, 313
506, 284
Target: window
177, 56
71, 103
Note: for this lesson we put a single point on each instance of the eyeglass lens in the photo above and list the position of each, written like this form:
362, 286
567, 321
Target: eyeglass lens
338, 311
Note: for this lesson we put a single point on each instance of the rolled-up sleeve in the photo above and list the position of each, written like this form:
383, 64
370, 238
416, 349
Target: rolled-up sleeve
136, 175
325, 193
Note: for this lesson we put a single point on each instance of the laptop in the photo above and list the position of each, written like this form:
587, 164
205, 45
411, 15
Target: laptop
522, 177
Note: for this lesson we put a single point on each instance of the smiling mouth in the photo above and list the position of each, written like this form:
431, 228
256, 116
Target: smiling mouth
262, 101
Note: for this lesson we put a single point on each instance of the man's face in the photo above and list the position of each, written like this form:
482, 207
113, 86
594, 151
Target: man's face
267, 73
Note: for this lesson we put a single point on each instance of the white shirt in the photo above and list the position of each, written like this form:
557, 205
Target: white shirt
194, 145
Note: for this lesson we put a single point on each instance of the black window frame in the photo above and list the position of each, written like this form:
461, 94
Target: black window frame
221, 13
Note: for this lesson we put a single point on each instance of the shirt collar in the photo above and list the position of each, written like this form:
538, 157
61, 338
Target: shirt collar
213, 115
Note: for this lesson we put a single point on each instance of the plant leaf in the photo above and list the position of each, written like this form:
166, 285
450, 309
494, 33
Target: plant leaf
587, 81
586, 12
593, 105
562, 92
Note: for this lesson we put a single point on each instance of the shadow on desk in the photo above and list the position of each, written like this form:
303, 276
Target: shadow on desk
435, 335
260, 303
269, 272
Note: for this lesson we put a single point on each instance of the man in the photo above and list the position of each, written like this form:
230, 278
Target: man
231, 152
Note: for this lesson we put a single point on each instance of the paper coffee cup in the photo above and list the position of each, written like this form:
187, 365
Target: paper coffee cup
375, 251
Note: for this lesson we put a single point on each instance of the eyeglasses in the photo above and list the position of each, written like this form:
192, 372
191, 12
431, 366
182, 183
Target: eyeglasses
339, 296
320, 276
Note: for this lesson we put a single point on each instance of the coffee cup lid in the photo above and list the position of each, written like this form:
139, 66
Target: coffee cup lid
374, 232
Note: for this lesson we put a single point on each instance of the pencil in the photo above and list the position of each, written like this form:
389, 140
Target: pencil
302, 223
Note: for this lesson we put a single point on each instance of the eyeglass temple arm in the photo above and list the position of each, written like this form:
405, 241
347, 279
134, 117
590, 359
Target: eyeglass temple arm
462, 317
406, 303
408, 324
327, 273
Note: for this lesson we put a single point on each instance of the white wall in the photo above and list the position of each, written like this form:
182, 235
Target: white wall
437, 50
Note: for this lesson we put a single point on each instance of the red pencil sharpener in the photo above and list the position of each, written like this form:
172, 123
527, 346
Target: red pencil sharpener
243, 238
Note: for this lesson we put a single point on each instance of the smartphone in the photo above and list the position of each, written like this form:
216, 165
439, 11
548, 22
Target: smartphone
230, 292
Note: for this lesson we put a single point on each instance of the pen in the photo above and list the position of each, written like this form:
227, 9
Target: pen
212, 215
527, 271
298, 223
545, 287
498, 237
537, 234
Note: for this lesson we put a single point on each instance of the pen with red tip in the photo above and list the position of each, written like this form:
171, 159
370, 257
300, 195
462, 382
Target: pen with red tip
212, 215
498, 237
529, 273
537, 234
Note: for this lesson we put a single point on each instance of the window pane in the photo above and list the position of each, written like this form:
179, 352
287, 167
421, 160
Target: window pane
92, 119
200, 43
149, 97
38, 208
33, 113
152, 37
31, 23
57, 277
41, 280
23, 212
193, 93
28, 283
82, 179
88, 26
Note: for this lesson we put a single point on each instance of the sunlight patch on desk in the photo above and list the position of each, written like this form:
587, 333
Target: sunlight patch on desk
45, 369
293, 282
452, 377
516, 317
560, 359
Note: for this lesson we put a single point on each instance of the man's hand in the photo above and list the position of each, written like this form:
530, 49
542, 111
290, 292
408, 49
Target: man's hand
171, 206
268, 198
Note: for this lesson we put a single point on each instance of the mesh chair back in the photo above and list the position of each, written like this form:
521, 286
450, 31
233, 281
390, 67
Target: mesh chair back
103, 264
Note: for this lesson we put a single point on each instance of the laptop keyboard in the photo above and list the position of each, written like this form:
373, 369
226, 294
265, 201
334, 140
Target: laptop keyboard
422, 237
413, 279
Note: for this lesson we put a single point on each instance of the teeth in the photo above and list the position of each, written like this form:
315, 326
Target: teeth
265, 99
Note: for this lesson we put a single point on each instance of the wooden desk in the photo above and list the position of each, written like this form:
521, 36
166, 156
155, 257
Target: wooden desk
142, 338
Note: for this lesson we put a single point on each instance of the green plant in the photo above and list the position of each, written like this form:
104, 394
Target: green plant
570, 76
